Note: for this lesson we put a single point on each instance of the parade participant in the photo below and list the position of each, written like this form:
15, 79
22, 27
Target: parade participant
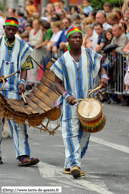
72, 71
15, 55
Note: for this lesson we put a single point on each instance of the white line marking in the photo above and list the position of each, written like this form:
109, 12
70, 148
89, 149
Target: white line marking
111, 145
103, 142
55, 173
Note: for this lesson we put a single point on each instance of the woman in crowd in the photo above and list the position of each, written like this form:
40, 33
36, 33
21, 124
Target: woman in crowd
107, 8
108, 36
86, 21
87, 41
56, 28
34, 38
124, 26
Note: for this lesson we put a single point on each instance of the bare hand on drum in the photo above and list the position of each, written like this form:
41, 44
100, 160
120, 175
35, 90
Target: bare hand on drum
1, 76
21, 88
103, 82
71, 100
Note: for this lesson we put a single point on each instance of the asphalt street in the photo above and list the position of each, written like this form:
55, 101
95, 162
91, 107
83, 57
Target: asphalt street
106, 162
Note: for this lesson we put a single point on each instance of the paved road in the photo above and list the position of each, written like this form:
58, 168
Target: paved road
106, 162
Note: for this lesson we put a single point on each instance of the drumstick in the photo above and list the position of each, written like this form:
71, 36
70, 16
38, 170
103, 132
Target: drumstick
80, 99
24, 99
94, 90
53, 60
18, 71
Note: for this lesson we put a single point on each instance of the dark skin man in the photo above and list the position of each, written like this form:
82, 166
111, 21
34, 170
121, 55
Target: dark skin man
75, 42
10, 32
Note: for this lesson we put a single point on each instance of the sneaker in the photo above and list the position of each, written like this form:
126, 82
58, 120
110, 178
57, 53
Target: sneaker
67, 171
76, 172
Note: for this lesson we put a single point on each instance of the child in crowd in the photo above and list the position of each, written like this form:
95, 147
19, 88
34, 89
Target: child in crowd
57, 7
107, 8
25, 37
56, 29
85, 8
30, 7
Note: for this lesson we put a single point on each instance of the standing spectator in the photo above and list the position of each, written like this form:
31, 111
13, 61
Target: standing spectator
86, 8
107, 8
56, 29
119, 38
108, 36
62, 43
21, 19
46, 34
117, 11
11, 12
87, 40
2, 23
62, 6
74, 9
76, 20
92, 15
113, 19
49, 11
30, 7
28, 28
124, 26
101, 41
101, 18
86, 21
57, 7
34, 38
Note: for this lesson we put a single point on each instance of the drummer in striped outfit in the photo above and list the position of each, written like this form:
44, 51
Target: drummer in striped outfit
75, 72
15, 54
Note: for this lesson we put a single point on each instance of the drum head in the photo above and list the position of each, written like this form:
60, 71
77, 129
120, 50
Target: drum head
89, 109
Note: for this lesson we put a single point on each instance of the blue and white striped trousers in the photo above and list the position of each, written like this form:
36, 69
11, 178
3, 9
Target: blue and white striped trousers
75, 142
20, 138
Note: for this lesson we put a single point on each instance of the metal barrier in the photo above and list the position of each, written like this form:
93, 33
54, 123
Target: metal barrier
115, 66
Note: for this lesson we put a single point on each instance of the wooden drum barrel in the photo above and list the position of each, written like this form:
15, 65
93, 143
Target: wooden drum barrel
91, 115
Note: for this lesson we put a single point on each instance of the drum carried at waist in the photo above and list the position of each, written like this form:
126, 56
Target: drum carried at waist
91, 115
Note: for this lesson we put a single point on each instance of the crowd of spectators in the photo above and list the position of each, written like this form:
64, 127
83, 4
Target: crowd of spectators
47, 32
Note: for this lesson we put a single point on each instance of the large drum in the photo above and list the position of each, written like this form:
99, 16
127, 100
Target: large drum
91, 115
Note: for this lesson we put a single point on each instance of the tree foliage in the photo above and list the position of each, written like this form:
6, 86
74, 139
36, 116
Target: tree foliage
98, 4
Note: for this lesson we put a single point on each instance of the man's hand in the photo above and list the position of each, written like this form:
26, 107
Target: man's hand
37, 47
54, 49
103, 82
21, 88
71, 100
62, 45
1, 76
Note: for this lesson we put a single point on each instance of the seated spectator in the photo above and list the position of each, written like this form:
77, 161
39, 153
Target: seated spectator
76, 20
108, 36
107, 8
117, 11
30, 7
46, 34
119, 38
101, 33
56, 29
101, 18
28, 28
62, 43
92, 15
21, 19
87, 40
113, 19
124, 26
85, 8
34, 38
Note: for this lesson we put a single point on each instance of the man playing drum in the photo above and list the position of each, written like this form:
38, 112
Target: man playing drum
15, 55
75, 73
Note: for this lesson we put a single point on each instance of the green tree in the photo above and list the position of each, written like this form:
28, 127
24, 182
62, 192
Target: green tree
98, 4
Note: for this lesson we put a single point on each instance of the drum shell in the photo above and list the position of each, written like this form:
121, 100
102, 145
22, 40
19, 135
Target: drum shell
92, 125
